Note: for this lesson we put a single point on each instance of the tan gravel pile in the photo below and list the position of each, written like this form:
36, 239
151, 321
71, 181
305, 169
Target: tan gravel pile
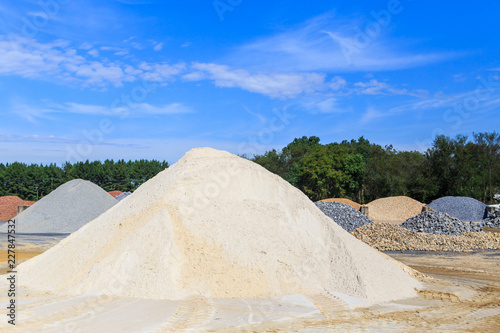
388, 237
349, 202
216, 225
394, 209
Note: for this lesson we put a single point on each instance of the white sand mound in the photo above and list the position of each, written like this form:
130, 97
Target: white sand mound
66, 209
221, 226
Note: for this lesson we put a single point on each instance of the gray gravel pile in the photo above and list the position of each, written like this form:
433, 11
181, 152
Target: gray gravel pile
462, 208
343, 214
65, 210
122, 195
434, 222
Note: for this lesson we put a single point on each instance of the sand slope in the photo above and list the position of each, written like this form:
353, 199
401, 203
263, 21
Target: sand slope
394, 209
221, 226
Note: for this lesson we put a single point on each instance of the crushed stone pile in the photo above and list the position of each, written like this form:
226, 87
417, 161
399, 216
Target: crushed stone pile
491, 222
394, 209
389, 237
216, 225
114, 194
65, 210
344, 215
349, 202
8, 206
462, 208
122, 196
434, 222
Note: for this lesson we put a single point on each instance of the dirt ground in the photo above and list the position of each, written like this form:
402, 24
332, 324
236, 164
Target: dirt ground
462, 294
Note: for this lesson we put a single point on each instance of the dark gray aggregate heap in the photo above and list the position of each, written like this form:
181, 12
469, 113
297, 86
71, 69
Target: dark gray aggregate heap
434, 222
462, 208
344, 215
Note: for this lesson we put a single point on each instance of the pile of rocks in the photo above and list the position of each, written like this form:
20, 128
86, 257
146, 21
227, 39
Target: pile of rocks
493, 219
389, 237
435, 222
462, 208
343, 214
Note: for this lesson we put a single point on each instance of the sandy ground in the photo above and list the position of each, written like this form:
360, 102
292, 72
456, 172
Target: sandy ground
462, 295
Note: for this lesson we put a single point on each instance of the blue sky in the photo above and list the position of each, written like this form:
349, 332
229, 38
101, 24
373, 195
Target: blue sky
152, 79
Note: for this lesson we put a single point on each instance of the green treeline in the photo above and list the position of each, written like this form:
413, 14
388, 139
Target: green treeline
356, 169
363, 171
33, 181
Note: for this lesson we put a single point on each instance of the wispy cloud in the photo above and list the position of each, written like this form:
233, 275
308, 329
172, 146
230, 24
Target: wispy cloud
158, 46
323, 105
375, 87
270, 84
462, 105
371, 114
138, 110
321, 44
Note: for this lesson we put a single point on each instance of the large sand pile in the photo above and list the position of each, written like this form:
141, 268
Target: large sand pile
8, 206
221, 226
394, 209
65, 210
349, 202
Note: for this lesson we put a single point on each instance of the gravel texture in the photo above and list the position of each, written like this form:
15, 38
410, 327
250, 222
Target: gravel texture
351, 203
122, 196
65, 210
491, 223
343, 214
493, 220
388, 237
462, 208
435, 222
394, 209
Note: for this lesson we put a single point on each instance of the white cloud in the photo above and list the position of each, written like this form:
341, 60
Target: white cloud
51, 110
137, 110
270, 84
323, 105
86, 46
371, 114
158, 46
58, 61
328, 44
93, 53
161, 72
186, 44
337, 83
375, 87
